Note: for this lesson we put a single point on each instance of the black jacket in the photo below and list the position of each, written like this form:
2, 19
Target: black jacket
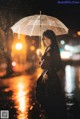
52, 60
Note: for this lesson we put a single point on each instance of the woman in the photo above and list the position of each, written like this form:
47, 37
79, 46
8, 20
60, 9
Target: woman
49, 90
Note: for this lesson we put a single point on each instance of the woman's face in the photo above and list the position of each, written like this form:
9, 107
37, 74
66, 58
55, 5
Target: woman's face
47, 41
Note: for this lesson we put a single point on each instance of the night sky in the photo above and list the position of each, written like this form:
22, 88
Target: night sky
69, 14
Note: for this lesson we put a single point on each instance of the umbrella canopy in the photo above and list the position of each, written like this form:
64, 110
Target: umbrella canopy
35, 25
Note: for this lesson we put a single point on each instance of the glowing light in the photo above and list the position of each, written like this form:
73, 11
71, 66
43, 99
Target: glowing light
32, 48
70, 79
65, 54
21, 94
62, 42
22, 99
67, 47
78, 33
22, 88
18, 46
72, 49
13, 63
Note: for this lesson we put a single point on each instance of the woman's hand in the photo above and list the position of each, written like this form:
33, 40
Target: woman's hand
39, 53
45, 76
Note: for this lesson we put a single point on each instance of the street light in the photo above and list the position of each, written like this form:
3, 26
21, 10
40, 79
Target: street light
19, 54
78, 33
18, 46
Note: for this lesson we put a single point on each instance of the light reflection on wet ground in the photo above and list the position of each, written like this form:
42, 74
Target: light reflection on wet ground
72, 91
21, 89
17, 94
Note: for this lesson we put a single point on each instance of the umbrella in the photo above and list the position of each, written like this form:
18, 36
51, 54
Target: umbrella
35, 25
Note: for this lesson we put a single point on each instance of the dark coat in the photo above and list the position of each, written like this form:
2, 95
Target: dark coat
50, 93
52, 61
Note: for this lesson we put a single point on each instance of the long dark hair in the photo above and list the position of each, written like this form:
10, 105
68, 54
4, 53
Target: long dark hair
54, 48
51, 35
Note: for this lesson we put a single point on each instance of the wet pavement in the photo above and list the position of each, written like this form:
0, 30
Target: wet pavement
17, 95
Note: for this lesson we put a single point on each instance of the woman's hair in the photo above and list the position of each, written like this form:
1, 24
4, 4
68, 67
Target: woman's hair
51, 35
54, 46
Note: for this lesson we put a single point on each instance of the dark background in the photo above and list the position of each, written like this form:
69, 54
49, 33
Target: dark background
13, 10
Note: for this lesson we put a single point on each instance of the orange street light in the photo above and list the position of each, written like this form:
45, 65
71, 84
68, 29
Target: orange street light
18, 46
78, 33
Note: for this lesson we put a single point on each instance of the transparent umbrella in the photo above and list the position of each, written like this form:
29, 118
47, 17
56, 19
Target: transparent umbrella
35, 25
